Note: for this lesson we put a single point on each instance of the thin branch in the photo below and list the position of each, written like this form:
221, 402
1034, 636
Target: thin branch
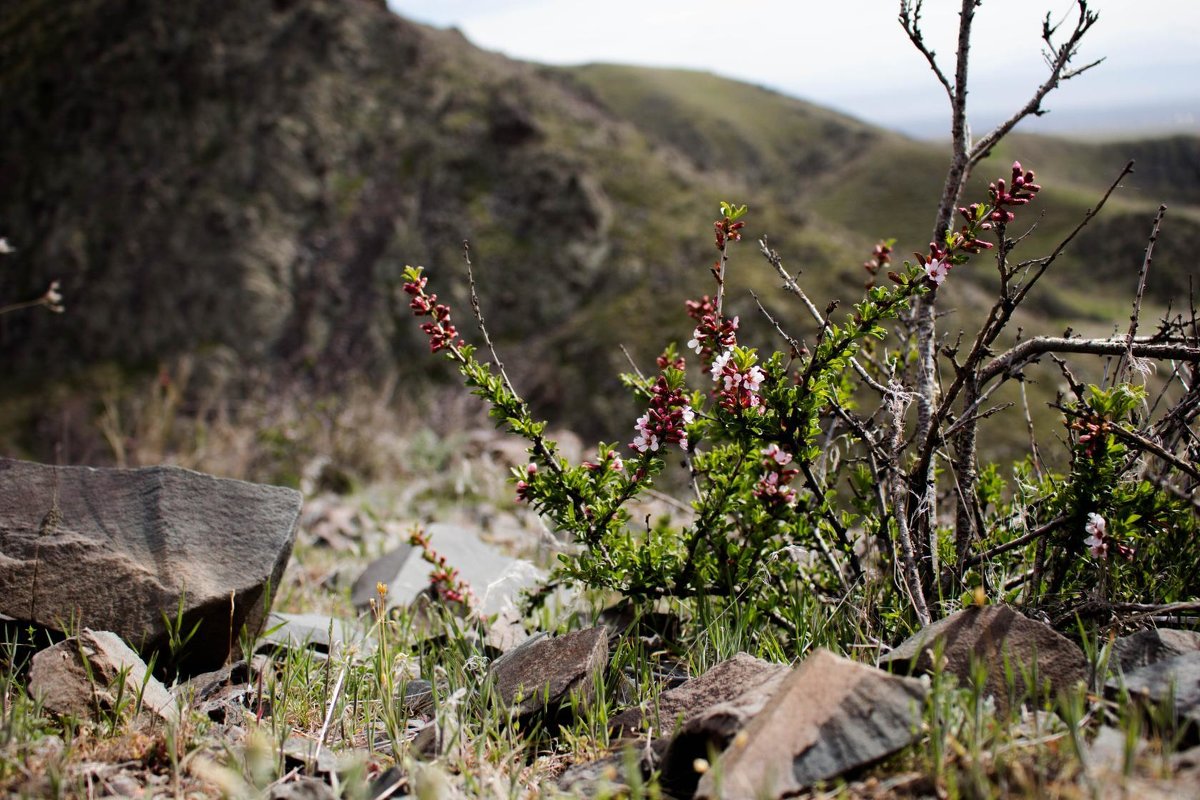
1058, 73
539, 442
910, 20
1040, 345
1124, 364
790, 285
1013, 544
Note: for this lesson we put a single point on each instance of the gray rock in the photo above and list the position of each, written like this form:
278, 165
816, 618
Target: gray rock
418, 697
994, 636
310, 754
93, 673
711, 728
326, 635
495, 578
385, 570
545, 670
829, 716
604, 777
1175, 678
302, 788
1150, 646
119, 549
740, 676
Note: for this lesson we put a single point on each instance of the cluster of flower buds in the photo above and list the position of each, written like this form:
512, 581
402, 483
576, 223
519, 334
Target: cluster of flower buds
523, 485
1021, 192
1092, 433
773, 488
711, 334
976, 219
440, 329
669, 359
727, 230
444, 580
1099, 542
739, 386
881, 256
667, 420
610, 461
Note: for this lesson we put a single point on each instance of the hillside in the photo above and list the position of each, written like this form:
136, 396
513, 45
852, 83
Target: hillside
205, 178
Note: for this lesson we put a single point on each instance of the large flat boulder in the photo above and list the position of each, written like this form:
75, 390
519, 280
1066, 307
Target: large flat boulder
1001, 639
123, 550
829, 716
542, 673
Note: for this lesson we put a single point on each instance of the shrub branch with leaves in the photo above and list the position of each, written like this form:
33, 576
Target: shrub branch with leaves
794, 491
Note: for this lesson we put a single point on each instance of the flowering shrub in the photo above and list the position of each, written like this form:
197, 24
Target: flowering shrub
793, 493
751, 442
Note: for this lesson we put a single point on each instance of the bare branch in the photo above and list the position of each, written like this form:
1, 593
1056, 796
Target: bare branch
1032, 348
1059, 58
910, 20
1124, 364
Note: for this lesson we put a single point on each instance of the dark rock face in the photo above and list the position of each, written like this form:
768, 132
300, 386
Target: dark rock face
113, 674
1151, 646
1176, 678
119, 549
723, 684
542, 672
830, 715
993, 635
712, 727
212, 173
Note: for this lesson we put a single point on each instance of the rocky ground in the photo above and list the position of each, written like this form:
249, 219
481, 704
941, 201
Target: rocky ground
169, 634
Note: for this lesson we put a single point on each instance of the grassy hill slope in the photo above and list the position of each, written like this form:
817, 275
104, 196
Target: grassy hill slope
206, 179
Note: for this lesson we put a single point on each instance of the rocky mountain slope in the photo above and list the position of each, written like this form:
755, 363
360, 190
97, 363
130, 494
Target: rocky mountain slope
246, 181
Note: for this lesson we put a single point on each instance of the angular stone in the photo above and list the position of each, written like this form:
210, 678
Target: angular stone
743, 674
1150, 646
495, 578
326, 635
119, 550
604, 777
713, 727
385, 570
829, 716
112, 674
542, 672
1175, 678
303, 788
994, 635
310, 754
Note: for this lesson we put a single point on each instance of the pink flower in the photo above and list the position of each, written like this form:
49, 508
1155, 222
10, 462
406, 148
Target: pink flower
937, 270
773, 488
739, 389
775, 453
666, 420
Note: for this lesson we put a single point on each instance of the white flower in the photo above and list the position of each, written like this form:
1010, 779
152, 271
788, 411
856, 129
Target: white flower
1097, 528
688, 415
718, 365
754, 379
937, 270
695, 343
5, 247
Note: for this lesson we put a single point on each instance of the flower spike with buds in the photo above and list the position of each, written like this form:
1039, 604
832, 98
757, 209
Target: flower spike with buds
666, 420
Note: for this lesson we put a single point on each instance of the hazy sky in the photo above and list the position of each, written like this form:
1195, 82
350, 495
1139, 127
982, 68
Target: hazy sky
853, 55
